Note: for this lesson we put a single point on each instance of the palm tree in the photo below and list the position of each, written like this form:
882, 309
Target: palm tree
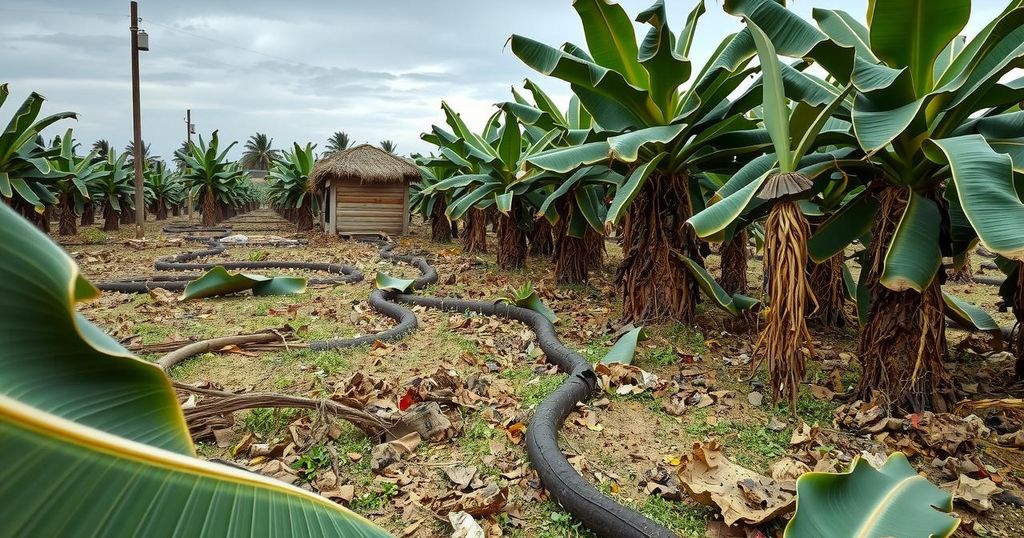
179, 163
147, 158
388, 146
339, 141
258, 154
101, 147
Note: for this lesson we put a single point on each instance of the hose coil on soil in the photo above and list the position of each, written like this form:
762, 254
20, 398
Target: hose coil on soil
585, 502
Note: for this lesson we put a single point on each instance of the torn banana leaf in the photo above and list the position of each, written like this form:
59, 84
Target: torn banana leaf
218, 281
625, 348
734, 304
78, 409
387, 282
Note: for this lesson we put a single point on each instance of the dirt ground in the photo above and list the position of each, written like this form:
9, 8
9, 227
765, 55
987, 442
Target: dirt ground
618, 441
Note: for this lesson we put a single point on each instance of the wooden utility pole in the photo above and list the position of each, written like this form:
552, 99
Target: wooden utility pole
140, 202
188, 137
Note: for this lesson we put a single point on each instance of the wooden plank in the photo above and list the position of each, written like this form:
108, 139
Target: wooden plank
373, 200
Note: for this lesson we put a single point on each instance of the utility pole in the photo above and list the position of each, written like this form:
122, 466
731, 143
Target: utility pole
189, 129
140, 202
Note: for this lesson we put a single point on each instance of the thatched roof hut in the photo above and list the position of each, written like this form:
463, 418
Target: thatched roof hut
365, 189
362, 164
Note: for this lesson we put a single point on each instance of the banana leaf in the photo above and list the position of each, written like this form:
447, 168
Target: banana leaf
218, 281
734, 304
625, 347
891, 501
78, 410
387, 282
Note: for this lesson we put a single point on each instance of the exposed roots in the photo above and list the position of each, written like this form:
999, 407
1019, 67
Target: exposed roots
654, 281
541, 242
902, 344
474, 235
571, 265
511, 242
440, 226
829, 287
304, 215
789, 291
734, 257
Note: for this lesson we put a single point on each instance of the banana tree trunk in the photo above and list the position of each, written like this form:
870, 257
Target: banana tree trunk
734, 257
127, 216
304, 215
541, 242
655, 284
210, 212
440, 226
902, 344
474, 236
511, 250
161, 210
175, 210
88, 214
829, 285
68, 219
111, 219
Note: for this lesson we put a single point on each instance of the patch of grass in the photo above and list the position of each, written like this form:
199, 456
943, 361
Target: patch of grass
760, 446
315, 459
685, 520
331, 361
597, 349
699, 428
152, 333
532, 394
376, 499
192, 366
687, 337
93, 235
446, 334
559, 524
662, 356
267, 422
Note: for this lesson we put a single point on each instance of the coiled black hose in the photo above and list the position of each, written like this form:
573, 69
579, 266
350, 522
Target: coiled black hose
586, 503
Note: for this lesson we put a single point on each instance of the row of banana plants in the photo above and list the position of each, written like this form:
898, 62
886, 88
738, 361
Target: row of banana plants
43, 179
900, 152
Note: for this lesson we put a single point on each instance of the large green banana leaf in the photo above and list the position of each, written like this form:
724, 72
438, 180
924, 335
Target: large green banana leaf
914, 256
985, 188
869, 503
970, 316
734, 304
93, 438
218, 281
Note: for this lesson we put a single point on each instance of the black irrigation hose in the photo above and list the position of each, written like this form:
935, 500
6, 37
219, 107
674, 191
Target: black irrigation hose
988, 280
598, 512
180, 262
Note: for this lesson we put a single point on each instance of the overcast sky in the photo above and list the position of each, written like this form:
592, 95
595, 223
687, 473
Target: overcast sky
300, 70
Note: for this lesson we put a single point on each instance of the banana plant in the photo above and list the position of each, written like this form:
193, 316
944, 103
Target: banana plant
432, 204
77, 174
164, 187
288, 186
793, 132
500, 153
113, 189
74, 403
209, 175
925, 105
576, 205
455, 153
662, 129
26, 176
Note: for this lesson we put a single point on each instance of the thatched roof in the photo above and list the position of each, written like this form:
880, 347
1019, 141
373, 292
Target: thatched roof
365, 164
